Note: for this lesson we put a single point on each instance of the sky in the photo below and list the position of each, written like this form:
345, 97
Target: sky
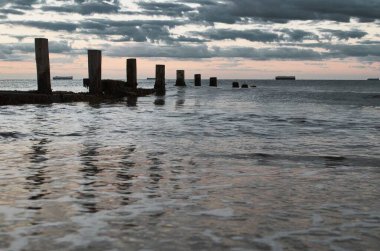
232, 39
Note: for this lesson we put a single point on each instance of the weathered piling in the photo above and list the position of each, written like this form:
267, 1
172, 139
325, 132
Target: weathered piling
119, 89
235, 85
43, 65
197, 80
99, 90
86, 83
213, 82
159, 85
95, 71
180, 78
34, 97
244, 86
132, 73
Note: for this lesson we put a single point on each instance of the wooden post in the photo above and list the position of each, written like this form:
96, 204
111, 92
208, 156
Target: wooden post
235, 85
180, 78
95, 71
159, 86
197, 80
213, 82
43, 65
86, 83
132, 73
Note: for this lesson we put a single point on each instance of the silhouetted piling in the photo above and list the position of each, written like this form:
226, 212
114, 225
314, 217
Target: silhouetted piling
213, 82
86, 83
43, 65
132, 73
159, 85
95, 71
235, 85
244, 86
197, 80
180, 78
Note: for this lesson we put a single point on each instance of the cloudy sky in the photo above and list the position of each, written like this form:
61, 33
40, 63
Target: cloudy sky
326, 39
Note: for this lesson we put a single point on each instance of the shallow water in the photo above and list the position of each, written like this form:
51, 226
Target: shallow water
284, 166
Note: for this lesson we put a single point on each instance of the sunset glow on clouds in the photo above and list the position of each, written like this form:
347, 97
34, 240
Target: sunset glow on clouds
226, 38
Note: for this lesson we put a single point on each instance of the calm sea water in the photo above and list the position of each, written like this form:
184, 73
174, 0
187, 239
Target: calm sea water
284, 166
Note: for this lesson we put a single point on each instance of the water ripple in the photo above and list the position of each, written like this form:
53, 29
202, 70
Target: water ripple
284, 166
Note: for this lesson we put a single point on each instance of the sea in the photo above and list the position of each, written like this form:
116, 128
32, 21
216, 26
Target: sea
285, 165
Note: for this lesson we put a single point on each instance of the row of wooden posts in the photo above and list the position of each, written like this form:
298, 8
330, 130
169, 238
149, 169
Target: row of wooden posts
95, 72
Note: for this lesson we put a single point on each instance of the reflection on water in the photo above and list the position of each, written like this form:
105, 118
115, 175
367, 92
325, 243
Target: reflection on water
124, 178
155, 176
280, 167
89, 171
37, 176
160, 100
132, 101
90, 168
180, 97
333, 161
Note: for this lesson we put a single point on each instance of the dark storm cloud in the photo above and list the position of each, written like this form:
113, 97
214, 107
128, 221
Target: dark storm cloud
298, 35
135, 30
279, 35
281, 53
200, 2
60, 47
166, 9
15, 7
369, 42
149, 50
53, 26
251, 35
343, 35
19, 4
342, 51
297, 53
156, 37
169, 40
203, 51
257, 35
11, 11
26, 3
86, 7
358, 51
14, 51
232, 11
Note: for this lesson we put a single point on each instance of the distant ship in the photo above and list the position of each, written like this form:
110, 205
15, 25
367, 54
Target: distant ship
63, 78
285, 78
151, 78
